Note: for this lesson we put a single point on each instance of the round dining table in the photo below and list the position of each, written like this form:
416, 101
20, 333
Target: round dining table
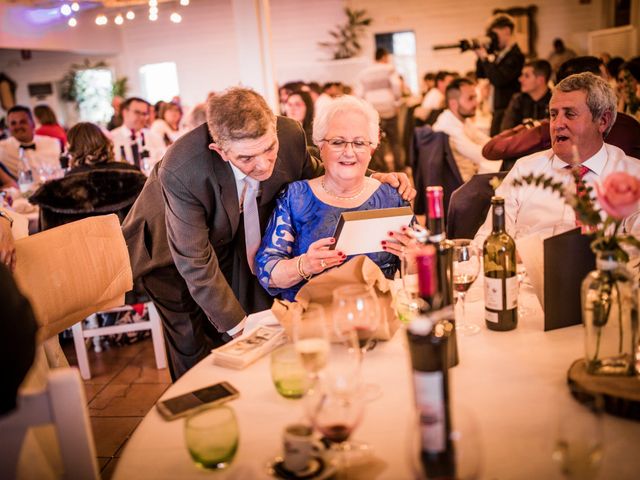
512, 384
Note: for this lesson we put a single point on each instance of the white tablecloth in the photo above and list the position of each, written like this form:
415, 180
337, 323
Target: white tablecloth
514, 383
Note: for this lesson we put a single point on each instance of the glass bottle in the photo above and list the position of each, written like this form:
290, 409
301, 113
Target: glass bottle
25, 174
610, 316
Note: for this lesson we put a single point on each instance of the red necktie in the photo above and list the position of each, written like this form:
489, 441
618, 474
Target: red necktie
580, 188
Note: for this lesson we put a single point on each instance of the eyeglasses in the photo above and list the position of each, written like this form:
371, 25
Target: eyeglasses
339, 145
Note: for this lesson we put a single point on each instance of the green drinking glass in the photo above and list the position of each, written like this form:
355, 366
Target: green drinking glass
288, 373
212, 437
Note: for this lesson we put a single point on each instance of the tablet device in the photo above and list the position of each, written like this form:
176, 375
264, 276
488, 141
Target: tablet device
363, 231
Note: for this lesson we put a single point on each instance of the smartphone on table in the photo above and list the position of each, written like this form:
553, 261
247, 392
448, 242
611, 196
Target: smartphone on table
182, 405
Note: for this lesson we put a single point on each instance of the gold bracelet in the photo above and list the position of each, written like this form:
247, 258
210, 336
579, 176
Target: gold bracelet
301, 271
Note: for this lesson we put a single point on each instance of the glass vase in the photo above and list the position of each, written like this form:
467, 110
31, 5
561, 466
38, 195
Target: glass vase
610, 317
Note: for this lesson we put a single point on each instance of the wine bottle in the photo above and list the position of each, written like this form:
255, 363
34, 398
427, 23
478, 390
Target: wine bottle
444, 258
26, 181
428, 338
500, 281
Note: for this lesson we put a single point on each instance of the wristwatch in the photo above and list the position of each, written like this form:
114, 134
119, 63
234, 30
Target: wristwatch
4, 214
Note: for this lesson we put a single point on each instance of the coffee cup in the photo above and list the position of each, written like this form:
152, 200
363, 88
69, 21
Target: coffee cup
300, 446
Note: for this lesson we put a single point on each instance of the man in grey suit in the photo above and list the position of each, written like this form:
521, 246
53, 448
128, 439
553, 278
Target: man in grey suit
200, 214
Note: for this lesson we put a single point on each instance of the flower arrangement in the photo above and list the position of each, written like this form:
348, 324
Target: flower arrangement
618, 197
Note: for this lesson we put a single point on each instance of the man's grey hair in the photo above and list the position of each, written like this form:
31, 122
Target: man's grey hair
600, 96
238, 114
341, 105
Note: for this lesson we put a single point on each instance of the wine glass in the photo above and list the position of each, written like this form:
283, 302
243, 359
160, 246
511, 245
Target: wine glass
335, 408
578, 447
466, 266
356, 315
311, 339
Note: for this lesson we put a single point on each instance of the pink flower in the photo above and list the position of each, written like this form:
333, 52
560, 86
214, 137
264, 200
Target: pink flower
619, 194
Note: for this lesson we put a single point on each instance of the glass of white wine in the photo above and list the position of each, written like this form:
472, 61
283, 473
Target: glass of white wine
578, 445
311, 339
466, 267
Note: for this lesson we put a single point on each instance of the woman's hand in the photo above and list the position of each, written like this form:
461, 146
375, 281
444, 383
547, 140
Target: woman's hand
7, 246
319, 258
399, 181
398, 242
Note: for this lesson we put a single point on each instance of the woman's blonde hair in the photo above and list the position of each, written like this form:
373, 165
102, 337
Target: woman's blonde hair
88, 145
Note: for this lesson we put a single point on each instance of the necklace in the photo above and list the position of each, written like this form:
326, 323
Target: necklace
330, 193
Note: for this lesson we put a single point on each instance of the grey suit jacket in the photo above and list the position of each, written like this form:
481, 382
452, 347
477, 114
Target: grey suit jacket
188, 214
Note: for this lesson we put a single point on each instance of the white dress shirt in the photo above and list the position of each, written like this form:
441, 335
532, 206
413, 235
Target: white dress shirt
433, 100
162, 128
46, 154
154, 144
466, 144
380, 85
531, 210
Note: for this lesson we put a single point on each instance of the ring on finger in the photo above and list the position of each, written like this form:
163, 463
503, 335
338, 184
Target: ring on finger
323, 264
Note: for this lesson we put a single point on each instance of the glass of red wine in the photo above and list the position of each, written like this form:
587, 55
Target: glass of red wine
356, 316
466, 267
335, 408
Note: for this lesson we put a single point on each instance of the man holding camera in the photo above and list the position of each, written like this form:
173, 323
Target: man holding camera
501, 62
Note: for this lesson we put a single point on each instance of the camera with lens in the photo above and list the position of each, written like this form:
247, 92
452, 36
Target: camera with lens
489, 42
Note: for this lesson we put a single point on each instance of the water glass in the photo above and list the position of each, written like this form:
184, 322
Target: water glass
287, 372
212, 437
311, 339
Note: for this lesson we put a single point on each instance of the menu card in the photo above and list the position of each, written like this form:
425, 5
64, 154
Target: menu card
248, 348
567, 260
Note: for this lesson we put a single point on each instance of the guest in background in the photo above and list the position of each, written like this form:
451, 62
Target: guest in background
380, 85
296, 243
502, 68
39, 151
628, 81
533, 100
132, 139
428, 82
196, 117
465, 139
330, 90
90, 148
582, 111
299, 106
559, 54
167, 125
434, 100
49, 125
116, 118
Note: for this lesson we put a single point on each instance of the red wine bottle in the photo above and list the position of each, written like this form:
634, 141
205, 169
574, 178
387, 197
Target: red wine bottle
428, 337
444, 259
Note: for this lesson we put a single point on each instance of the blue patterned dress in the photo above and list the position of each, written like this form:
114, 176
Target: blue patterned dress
300, 219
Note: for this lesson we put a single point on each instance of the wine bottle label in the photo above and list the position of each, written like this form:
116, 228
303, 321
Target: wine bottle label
493, 293
430, 403
491, 316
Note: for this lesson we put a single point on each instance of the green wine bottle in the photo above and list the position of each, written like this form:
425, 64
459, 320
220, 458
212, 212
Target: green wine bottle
500, 281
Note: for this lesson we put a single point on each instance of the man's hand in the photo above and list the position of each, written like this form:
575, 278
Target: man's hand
481, 53
399, 181
7, 245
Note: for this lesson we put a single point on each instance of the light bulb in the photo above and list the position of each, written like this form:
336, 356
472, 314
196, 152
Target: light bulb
101, 20
153, 3
65, 10
184, 3
175, 17
72, 22
130, 15
119, 20
153, 18
153, 11
75, 6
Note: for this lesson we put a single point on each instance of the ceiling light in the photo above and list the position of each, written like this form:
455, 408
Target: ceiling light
101, 20
130, 15
153, 3
175, 17
72, 22
184, 3
119, 20
153, 18
75, 6
65, 10
153, 11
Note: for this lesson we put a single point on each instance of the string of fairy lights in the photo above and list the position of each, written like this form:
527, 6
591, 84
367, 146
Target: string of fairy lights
119, 18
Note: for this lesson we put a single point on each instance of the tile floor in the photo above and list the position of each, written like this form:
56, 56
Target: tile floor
124, 386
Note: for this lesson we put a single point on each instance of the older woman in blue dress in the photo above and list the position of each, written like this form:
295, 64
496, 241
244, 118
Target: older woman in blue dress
296, 244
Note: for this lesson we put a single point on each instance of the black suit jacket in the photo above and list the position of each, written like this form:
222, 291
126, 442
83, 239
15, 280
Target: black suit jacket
188, 215
503, 75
